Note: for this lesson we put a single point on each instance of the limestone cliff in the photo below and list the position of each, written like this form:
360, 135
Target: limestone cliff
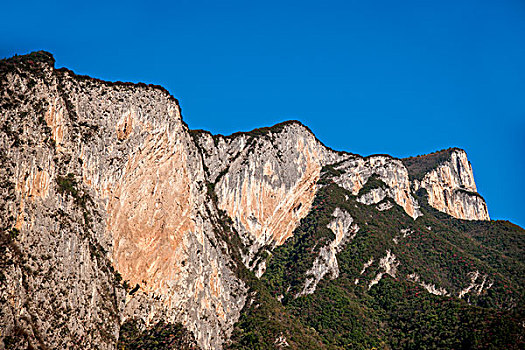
112, 210
448, 180
101, 177
356, 171
265, 181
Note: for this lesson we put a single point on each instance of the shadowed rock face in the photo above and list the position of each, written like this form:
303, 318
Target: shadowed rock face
99, 178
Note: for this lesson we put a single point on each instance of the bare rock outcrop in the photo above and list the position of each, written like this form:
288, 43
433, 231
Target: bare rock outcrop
344, 229
111, 208
450, 184
105, 177
265, 180
356, 170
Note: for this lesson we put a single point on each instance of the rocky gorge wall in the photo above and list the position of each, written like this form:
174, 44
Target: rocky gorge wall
58, 285
451, 188
265, 181
109, 207
105, 178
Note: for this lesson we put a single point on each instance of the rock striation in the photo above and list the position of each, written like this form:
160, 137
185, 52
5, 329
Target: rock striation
450, 184
112, 210
107, 184
356, 171
265, 181
344, 229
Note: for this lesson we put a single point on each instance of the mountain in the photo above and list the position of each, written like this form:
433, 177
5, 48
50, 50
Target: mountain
122, 228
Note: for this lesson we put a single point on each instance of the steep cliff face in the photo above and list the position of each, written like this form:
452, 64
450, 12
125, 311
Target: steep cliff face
113, 212
265, 181
58, 285
431, 274
119, 156
356, 171
449, 183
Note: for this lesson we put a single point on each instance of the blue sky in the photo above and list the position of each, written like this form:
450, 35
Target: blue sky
396, 77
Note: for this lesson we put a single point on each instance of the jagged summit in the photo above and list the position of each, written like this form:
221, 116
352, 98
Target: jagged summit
417, 165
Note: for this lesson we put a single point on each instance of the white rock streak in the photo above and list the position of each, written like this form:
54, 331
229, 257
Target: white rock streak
431, 288
389, 265
476, 287
365, 266
344, 229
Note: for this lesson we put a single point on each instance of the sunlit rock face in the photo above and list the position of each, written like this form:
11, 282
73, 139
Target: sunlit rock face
149, 174
133, 199
356, 170
57, 286
102, 183
452, 190
265, 180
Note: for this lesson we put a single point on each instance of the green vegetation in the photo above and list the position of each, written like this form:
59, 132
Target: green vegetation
13, 233
373, 182
421, 165
397, 312
33, 57
160, 336
68, 185
30, 61
289, 263
264, 320
331, 170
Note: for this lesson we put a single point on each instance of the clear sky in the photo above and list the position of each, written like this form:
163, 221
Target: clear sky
396, 77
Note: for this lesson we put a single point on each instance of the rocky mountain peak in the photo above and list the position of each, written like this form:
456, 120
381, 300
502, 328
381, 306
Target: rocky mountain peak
104, 186
448, 180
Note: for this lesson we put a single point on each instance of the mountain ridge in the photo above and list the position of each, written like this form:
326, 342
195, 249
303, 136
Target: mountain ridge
164, 224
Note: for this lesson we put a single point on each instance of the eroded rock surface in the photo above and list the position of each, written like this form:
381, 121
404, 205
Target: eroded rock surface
111, 208
451, 188
344, 229
265, 180
106, 177
357, 170
58, 288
